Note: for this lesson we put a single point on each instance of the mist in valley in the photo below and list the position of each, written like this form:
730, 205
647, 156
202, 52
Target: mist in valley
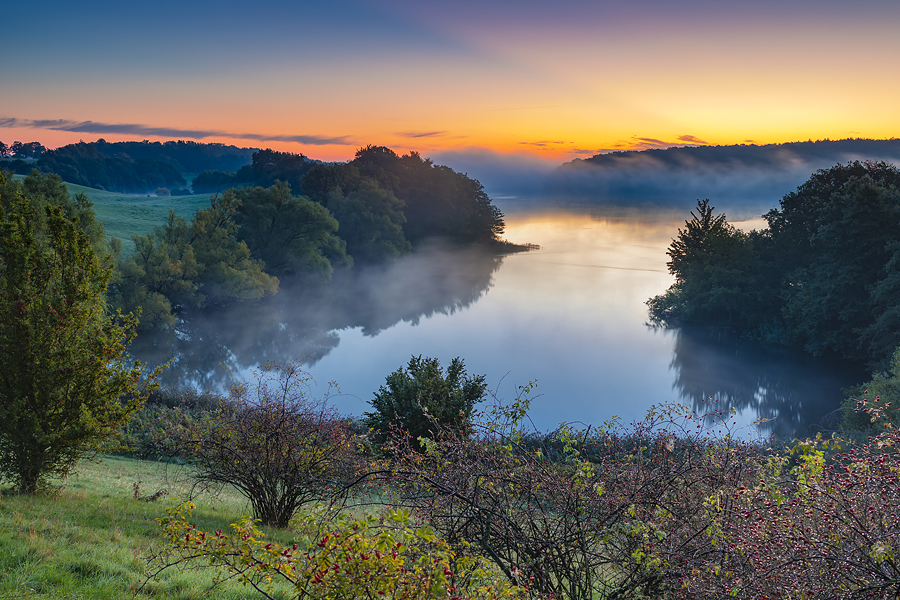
303, 321
569, 316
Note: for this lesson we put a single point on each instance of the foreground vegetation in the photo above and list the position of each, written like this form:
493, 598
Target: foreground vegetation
92, 538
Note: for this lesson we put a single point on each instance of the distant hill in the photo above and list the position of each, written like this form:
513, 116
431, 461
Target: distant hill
744, 175
185, 156
134, 167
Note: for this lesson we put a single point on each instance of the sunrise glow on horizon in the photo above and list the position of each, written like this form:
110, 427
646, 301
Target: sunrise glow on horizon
513, 78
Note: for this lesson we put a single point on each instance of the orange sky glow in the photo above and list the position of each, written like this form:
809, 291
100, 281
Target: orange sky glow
513, 79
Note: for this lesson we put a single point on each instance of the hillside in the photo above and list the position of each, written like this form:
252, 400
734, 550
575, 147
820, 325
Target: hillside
744, 177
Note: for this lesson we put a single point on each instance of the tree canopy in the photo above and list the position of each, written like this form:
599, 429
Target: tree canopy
188, 265
65, 383
290, 234
825, 275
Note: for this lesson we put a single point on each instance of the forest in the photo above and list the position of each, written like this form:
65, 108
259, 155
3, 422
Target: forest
825, 274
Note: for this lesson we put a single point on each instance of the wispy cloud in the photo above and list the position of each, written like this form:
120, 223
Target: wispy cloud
689, 139
647, 143
651, 143
421, 134
544, 143
170, 132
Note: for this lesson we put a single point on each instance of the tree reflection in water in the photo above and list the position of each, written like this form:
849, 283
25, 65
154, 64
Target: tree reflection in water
795, 393
302, 322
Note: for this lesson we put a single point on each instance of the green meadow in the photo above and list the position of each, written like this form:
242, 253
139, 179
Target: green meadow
124, 215
91, 539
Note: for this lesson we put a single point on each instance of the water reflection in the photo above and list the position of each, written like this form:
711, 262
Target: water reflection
302, 322
794, 393
570, 316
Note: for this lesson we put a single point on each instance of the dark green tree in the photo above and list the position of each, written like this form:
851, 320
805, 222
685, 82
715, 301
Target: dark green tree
419, 399
65, 383
371, 222
291, 234
436, 201
190, 265
835, 238
718, 275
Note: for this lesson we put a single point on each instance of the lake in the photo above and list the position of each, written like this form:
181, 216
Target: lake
570, 317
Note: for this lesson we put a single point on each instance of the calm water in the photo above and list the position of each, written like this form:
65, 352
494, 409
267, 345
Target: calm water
570, 317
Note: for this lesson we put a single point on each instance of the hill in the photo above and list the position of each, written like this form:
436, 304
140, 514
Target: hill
747, 176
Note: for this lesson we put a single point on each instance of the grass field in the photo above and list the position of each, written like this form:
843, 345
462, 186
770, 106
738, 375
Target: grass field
91, 539
125, 214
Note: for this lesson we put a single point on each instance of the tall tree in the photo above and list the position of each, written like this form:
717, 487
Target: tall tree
189, 265
717, 275
291, 234
65, 383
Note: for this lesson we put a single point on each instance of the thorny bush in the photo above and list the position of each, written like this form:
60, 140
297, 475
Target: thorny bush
630, 522
273, 443
346, 558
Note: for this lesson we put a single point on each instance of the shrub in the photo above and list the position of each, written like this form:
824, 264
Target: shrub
151, 432
272, 442
420, 399
347, 558
626, 523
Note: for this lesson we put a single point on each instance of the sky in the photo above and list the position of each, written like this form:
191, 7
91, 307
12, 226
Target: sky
476, 80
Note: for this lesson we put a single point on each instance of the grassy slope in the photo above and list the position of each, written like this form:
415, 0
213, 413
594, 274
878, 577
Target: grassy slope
91, 540
125, 214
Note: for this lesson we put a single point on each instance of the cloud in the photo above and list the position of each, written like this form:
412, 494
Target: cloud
689, 139
544, 143
646, 143
421, 134
169, 132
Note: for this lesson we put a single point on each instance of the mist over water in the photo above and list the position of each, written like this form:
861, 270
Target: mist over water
570, 317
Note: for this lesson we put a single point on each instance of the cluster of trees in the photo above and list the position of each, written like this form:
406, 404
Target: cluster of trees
82, 164
375, 208
397, 199
265, 168
21, 151
184, 266
185, 156
130, 167
824, 275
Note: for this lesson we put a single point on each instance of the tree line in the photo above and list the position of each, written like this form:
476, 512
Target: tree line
376, 207
127, 167
824, 275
